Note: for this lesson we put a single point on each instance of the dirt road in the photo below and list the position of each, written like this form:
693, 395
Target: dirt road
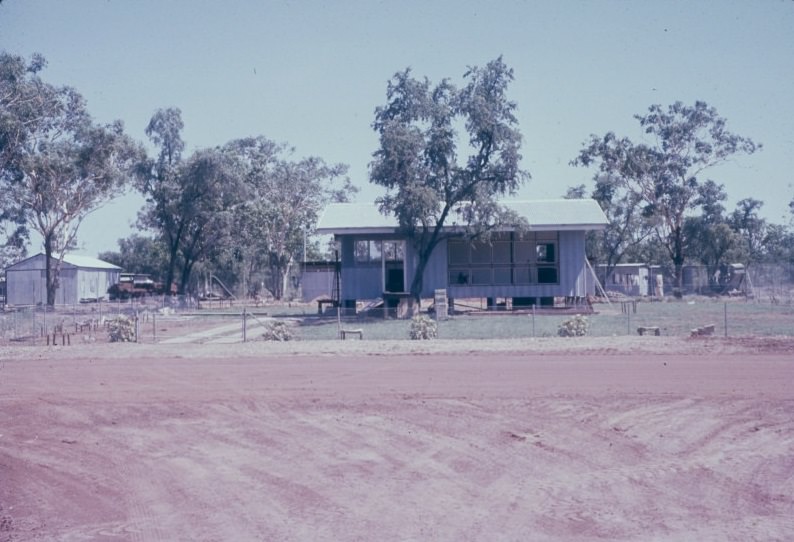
476, 446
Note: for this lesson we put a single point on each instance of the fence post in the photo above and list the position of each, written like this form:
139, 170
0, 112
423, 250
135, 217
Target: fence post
628, 322
154, 326
533, 320
244, 326
726, 319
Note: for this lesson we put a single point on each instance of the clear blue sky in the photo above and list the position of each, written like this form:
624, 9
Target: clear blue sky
310, 73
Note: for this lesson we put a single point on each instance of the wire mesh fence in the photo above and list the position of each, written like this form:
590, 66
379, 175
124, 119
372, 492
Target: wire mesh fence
185, 321
155, 319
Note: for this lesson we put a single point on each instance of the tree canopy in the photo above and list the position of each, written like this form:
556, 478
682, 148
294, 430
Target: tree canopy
285, 196
247, 204
58, 165
446, 155
189, 202
664, 176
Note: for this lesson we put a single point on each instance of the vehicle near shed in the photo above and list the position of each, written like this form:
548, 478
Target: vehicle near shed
135, 285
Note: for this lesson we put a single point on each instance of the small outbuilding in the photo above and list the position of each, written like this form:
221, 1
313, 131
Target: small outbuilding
632, 279
81, 279
524, 268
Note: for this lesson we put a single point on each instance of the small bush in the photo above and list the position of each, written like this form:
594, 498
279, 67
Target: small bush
577, 326
423, 328
121, 329
278, 330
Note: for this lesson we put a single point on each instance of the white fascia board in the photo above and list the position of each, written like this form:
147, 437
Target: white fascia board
453, 229
356, 231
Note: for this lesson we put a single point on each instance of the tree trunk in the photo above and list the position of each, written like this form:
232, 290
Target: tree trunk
676, 251
169, 277
419, 274
187, 268
276, 278
49, 273
286, 276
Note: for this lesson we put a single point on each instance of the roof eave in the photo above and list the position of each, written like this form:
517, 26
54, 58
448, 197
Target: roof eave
396, 231
355, 231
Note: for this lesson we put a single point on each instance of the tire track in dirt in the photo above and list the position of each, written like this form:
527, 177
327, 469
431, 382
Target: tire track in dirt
394, 450
693, 480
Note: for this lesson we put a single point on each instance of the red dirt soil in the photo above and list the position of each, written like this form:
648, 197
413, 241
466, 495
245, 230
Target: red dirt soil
474, 446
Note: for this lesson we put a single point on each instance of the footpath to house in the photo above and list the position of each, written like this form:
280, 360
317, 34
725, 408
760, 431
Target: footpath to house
225, 334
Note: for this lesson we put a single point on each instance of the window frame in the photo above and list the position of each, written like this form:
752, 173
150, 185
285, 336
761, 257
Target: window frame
528, 259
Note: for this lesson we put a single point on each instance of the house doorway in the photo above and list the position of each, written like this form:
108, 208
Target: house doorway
393, 266
395, 279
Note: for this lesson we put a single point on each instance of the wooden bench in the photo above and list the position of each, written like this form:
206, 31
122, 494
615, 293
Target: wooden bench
649, 329
345, 332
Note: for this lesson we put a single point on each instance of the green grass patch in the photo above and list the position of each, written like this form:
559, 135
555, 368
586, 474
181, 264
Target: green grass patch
674, 318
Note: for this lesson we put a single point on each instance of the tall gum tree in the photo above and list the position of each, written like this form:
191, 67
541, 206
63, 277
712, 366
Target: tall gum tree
25, 103
58, 166
160, 183
286, 196
664, 174
446, 156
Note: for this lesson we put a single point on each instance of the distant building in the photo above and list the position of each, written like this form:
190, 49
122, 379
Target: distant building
632, 279
82, 278
318, 280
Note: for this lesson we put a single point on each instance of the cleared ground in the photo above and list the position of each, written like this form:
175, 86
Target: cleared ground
551, 441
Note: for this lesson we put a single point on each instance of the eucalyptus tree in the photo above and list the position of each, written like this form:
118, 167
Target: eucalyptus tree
751, 227
709, 237
24, 103
285, 198
58, 165
663, 174
212, 191
446, 155
189, 202
161, 185
779, 246
627, 228
714, 238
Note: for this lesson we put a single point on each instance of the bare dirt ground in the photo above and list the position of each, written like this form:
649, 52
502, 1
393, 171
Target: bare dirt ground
595, 439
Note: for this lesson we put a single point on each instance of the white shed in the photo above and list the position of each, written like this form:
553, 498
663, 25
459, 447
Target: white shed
82, 278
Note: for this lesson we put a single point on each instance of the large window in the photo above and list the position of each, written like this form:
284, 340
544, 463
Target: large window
393, 250
506, 259
368, 251
362, 251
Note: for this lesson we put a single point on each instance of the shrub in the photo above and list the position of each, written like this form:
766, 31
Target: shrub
278, 330
423, 328
121, 329
577, 326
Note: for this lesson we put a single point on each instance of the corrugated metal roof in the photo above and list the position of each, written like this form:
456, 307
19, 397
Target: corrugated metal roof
84, 262
88, 262
550, 214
